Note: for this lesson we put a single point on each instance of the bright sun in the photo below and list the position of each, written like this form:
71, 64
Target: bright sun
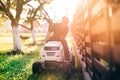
59, 8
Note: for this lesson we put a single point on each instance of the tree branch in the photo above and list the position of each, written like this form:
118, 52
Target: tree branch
8, 5
2, 5
18, 9
1, 8
46, 16
26, 1
24, 26
4, 9
36, 10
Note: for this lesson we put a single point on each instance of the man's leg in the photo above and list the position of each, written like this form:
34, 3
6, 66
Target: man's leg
66, 51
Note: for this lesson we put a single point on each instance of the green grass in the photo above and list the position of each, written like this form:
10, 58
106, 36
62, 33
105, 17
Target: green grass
19, 67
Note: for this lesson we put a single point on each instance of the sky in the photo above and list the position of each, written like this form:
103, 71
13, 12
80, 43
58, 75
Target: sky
59, 8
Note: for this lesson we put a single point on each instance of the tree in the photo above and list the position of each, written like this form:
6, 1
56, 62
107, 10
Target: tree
34, 14
50, 22
6, 7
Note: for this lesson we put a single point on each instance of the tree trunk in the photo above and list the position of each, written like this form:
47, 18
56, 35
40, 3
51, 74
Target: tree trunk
33, 36
49, 34
16, 38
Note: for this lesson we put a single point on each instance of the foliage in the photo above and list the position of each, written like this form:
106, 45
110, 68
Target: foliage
18, 7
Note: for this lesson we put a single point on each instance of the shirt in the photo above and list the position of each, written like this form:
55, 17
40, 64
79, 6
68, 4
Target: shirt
60, 30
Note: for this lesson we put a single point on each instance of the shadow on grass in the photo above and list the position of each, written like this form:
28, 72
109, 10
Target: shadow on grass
33, 77
47, 75
57, 75
75, 75
38, 45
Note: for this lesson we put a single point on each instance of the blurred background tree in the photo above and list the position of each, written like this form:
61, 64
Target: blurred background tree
13, 10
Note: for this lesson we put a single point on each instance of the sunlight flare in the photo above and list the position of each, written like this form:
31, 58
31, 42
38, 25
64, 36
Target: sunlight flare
59, 8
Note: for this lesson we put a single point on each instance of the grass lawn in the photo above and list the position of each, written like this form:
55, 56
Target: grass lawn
19, 67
